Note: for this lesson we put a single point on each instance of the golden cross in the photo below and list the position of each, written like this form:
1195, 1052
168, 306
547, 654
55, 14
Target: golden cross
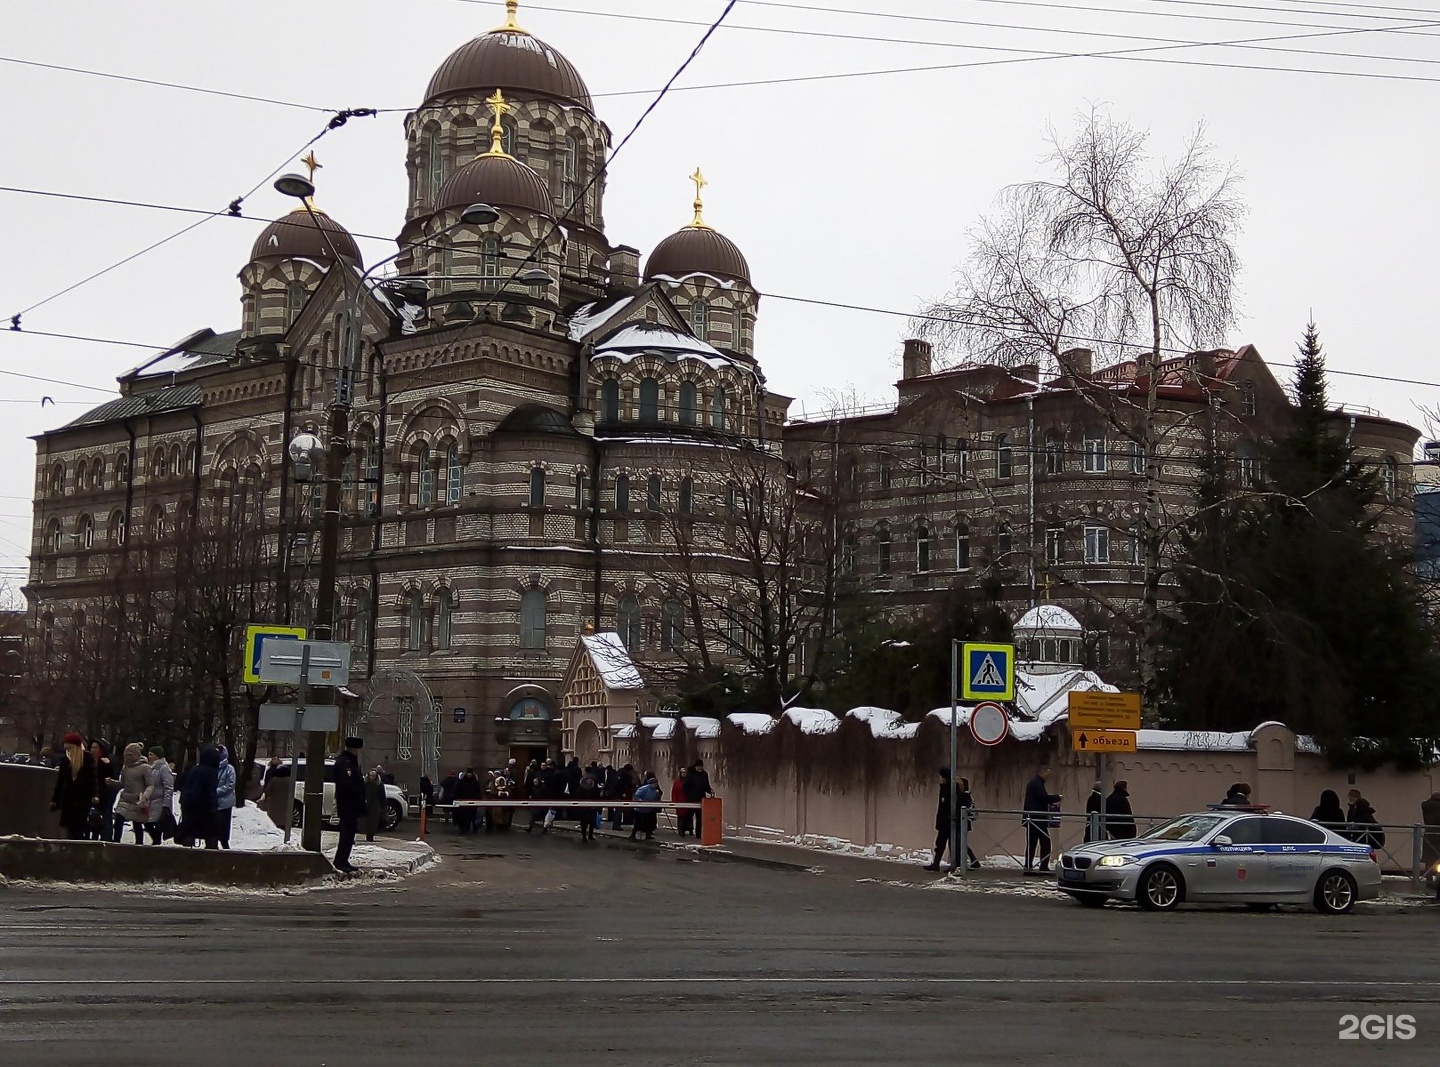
700, 183
312, 164
497, 131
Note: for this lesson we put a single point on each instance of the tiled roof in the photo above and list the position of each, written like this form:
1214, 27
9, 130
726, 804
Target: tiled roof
170, 398
200, 349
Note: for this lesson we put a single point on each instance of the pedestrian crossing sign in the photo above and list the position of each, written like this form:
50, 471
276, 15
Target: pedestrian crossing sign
988, 672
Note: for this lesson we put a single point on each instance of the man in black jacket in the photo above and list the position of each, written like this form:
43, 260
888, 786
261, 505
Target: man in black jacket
349, 800
1038, 799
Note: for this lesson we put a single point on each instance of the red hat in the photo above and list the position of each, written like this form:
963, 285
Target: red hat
73, 738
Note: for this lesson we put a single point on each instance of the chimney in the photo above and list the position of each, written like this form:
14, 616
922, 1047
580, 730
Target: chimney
1077, 362
624, 268
918, 359
1027, 372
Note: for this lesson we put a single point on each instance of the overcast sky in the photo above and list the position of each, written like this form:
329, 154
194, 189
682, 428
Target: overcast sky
857, 190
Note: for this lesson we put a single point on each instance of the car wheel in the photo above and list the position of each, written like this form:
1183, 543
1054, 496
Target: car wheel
1335, 893
1161, 888
392, 816
1089, 901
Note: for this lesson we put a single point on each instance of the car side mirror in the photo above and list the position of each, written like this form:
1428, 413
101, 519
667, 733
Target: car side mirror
1220, 841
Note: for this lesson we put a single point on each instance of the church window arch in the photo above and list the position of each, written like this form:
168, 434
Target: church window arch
700, 319
687, 495
718, 408
689, 413
434, 164
532, 618
454, 474
54, 536
490, 255
627, 621
649, 400
424, 477
654, 495
610, 400
537, 487
622, 492
86, 530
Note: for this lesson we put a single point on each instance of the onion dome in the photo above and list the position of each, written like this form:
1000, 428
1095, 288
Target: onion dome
697, 249
299, 236
514, 60
496, 178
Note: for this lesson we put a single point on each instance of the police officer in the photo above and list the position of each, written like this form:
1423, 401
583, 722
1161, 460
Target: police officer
349, 800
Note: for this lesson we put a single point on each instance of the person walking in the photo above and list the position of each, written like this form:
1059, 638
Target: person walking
646, 818
624, 790
77, 788
349, 801
1119, 819
1094, 809
942, 822
160, 823
587, 790
1037, 808
1328, 813
102, 815
427, 795
1364, 826
468, 788
684, 819
374, 803
132, 805
198, 800
697, 788
224, 798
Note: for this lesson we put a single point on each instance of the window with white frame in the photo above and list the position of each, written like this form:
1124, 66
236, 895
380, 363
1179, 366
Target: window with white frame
627, 622
962, 547
922, 550
1054, 452
372, 476
1054, 545
1004, 457
1390, 479
1095, 458
87, 532
1137, 458
700, 319
454, 475
1097, 543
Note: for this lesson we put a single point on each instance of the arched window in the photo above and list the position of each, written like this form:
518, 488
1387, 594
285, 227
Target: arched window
1095, 458
610, 401
672, 626
294, 301
117, 528
882, 542
509, 136
424, 477
532, 619
580, 490
689, 412
57, 478
192, 462
371, 475
122, 470
157, 523
847, 556
687, 495
922, 550
1248, 463
570, 167
717, 409
54, 536
454, 475
622, 492
537, 487
738, 329
1054, 453
627, 622
1004, 457
160, 463
177, 462
86, 530
490, 263
649, 400
700, 319
885, 472
418, 619
1390, 479
652, 493
435, 165
444, 607
360, 628
962, 547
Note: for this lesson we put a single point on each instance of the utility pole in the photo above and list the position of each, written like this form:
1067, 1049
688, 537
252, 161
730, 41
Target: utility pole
955, 853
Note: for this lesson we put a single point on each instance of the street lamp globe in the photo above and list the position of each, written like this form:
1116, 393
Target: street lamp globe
474, 215
305, 454
296, 185
535, 276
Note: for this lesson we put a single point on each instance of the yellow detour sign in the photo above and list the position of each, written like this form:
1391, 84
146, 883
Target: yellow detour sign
1104, 711
1103, 740
256, 634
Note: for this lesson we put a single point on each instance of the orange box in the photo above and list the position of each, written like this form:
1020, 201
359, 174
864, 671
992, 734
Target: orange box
712, 822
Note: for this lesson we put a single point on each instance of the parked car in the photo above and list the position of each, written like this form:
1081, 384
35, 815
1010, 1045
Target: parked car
1248, 856
396, 806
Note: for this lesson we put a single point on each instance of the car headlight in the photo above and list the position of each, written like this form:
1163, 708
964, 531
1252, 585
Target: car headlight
1115, 861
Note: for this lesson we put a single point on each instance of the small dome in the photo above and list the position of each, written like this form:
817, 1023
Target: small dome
697, 250
498, 180
511, 60
1050, 618
297, 236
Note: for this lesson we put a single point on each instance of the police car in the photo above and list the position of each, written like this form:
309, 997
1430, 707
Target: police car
1246, 855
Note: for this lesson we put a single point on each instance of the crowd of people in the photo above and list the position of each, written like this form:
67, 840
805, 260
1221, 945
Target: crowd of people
96, 800
573, 793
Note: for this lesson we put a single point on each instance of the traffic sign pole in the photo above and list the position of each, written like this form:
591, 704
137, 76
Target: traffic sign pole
295, 736
954, 754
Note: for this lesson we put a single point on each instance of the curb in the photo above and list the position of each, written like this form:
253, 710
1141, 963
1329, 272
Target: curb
713, 854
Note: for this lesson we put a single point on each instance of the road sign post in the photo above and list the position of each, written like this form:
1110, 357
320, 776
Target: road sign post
954, 757
294, 737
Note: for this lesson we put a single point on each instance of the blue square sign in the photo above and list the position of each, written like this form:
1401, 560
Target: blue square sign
987, 672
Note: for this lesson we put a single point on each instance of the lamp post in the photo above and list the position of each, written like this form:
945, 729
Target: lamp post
307, 452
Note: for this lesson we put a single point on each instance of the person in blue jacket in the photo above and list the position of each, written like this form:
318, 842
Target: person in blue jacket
646, 819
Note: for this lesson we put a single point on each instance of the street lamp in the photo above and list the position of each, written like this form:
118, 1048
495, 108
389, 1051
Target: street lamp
307, 453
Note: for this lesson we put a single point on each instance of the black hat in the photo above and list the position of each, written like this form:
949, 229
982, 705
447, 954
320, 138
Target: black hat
354, 742
945, 773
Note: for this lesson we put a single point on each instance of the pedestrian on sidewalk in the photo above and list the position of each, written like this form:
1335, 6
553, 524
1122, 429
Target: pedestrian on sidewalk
132, 805
199, 800
646, 818
684, 819
1094, 804
103, 814
624, 790
224, 798
468, 788
1037, 808
942, 821
374, 803
77, 788
160, 823
1364, 826
587, 790
697, 788
349, 801
1119, 819
1328, 813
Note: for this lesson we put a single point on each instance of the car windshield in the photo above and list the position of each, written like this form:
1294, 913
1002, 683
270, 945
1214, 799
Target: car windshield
1185, 828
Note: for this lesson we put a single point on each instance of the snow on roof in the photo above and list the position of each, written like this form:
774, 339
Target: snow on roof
642, 336
703, 725
611, 660
1048, 617
592, 317
662, 727
1042, 696
673, 281
882, 721
813, 720
752, 722
1193, 740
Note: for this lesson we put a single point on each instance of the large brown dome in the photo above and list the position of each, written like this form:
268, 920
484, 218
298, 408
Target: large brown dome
498, 180
297, 235
697, 250
511, 60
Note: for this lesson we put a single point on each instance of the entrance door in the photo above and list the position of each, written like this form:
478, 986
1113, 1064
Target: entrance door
523, 754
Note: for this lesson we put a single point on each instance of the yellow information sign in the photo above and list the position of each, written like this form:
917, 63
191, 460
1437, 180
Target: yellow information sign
1104, 711
1104, 741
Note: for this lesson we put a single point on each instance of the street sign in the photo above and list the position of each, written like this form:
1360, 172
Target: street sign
459, 715
314, 718
988, 672
1104, 711
329, 662
1104, 741
989, 724
256, 634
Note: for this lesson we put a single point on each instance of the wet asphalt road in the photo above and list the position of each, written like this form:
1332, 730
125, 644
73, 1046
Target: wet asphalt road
543, 951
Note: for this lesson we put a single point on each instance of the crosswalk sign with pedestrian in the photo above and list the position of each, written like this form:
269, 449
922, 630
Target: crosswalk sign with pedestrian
988, 672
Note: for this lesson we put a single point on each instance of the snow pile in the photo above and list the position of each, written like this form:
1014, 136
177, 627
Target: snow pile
813, 720
752, 722
705, 728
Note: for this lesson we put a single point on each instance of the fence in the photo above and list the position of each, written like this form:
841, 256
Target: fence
711, 818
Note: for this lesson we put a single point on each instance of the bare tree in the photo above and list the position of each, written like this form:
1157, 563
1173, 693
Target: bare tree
1129, 260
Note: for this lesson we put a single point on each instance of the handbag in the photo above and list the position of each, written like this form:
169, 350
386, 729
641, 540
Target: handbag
1054, 815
